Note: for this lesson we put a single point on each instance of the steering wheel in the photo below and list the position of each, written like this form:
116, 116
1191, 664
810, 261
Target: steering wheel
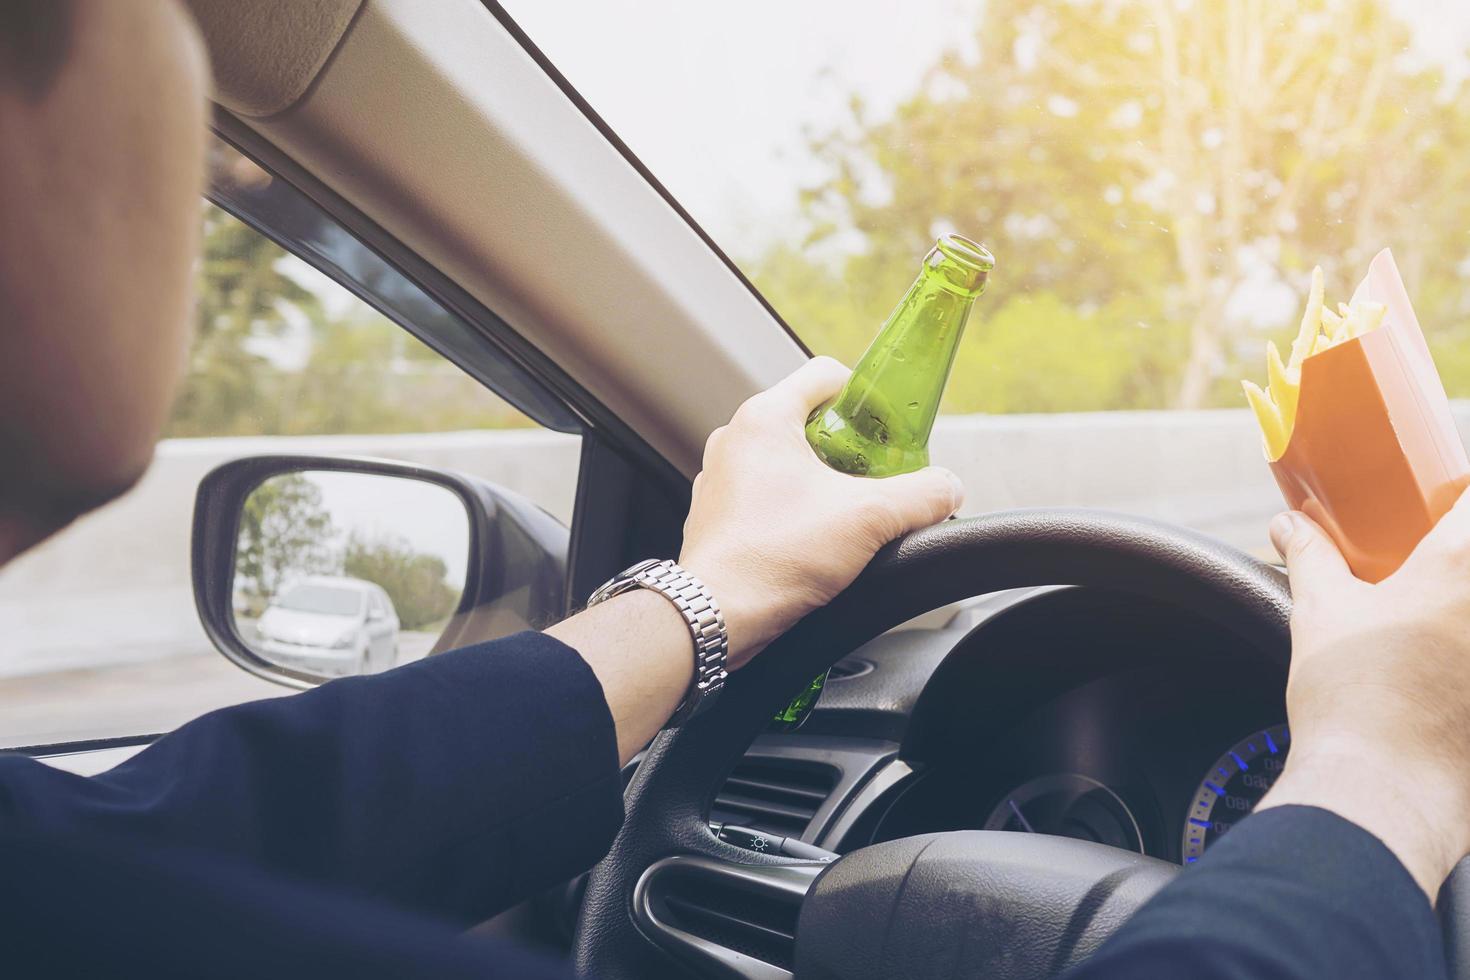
968, 903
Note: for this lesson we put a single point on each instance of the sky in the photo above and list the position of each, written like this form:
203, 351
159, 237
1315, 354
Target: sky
715, 98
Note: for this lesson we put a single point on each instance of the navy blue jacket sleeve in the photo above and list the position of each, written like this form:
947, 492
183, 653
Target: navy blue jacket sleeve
454, 786
1292, 893
96, 908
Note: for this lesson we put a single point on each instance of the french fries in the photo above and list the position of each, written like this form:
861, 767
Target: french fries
1321, 329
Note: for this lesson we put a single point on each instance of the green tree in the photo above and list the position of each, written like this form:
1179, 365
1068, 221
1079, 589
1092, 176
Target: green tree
362, 373
284, 531
1138, 164
244, 297
367, 374
415, 581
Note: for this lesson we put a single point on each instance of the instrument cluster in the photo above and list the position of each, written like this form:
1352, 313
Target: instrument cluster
1132, 760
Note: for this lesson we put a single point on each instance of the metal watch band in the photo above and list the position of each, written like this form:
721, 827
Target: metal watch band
701, 614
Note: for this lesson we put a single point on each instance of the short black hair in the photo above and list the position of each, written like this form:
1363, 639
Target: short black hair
35, 37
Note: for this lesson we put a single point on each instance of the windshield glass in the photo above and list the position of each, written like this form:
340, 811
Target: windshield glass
1156, 180
323, 599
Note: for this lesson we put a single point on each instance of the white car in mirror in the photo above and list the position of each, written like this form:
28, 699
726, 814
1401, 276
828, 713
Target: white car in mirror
330, 625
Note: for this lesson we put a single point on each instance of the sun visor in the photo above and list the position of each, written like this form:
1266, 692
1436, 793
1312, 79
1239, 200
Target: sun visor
266, 53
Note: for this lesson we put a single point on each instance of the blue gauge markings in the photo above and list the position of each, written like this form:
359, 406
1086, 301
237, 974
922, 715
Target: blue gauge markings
1229, 792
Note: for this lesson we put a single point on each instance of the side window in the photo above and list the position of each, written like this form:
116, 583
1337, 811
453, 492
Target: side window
102, 636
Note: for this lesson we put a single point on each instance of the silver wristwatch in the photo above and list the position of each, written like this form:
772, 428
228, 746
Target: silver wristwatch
701, 614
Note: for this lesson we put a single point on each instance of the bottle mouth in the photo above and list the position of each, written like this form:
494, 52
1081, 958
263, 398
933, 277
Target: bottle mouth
970, 262
967, 252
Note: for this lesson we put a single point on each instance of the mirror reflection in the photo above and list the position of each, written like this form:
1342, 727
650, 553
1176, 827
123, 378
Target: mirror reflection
340, 573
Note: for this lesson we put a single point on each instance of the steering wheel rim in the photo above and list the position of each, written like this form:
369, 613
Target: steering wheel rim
666, 802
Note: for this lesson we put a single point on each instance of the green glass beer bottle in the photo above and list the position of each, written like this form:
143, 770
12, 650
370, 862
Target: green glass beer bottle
879, 424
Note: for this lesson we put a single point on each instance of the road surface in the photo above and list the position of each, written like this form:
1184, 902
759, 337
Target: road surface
137, 698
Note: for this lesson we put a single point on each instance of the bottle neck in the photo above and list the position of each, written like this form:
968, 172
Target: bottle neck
908, 363
880, 423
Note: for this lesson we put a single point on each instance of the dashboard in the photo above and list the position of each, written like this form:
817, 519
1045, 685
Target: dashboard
1077, 712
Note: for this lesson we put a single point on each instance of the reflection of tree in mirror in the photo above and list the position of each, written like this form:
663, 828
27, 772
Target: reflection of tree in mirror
413, 580
285, 532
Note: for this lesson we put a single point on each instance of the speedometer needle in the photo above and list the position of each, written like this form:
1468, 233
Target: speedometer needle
1025, 824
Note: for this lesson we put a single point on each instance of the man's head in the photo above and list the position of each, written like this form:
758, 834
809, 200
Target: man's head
102, 130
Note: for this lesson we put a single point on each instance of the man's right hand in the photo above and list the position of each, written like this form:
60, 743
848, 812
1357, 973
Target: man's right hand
774, 532
1379, 692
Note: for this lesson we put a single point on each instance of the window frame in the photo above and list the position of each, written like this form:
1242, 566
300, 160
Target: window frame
630, 500
495, 333
302, 228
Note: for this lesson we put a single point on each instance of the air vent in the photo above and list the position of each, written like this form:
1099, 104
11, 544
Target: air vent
748, 924
727, 920
775, 796
848, 668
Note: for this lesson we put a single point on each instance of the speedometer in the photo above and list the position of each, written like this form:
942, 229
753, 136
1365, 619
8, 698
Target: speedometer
1233, 787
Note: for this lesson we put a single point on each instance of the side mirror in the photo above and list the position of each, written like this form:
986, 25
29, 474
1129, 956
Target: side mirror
289, 552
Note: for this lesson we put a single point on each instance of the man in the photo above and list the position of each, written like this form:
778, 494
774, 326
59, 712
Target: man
348, 830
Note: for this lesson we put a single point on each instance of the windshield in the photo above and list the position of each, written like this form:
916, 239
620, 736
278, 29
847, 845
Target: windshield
1155, 179
323, 599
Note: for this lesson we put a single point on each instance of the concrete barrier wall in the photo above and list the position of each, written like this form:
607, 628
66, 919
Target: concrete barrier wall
1200, 469
115, 588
